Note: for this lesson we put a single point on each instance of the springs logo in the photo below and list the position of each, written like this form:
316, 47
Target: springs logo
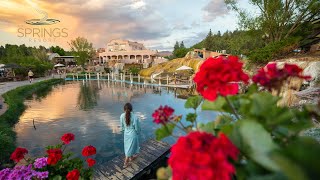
42, 21
36, 33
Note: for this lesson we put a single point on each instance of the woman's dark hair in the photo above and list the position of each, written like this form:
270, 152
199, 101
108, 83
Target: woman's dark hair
127, 108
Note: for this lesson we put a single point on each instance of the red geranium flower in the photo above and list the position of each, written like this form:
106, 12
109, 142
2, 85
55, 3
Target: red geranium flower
200, 155
88, 151
162, 114
294, 70
73, 175
18, 154
66, 138
54, 155
219, 76
91, 162
272, 77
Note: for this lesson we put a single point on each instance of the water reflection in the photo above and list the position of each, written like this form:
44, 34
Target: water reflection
88, 95
98, 122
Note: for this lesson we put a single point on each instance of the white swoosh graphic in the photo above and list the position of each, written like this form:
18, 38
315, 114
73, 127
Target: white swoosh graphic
34, 6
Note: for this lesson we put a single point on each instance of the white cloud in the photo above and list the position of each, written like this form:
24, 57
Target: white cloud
138, 5
214, 9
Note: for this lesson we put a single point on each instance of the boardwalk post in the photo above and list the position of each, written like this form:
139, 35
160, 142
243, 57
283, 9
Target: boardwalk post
86, 77
167, 79
77, 76
139, 78
131, 79
159, 80
190, 82
108, 76
89, 75
98, 76
73, 76
121, 76
112, 78
124, 77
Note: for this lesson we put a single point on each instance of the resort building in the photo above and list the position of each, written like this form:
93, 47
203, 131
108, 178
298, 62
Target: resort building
204, 54
66, 60
127, 52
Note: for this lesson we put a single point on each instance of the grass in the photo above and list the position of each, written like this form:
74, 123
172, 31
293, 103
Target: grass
15, 101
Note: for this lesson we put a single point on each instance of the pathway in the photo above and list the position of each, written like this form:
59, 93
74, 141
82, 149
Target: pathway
7, 86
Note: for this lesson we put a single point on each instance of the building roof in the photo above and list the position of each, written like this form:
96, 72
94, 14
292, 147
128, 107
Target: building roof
53, 55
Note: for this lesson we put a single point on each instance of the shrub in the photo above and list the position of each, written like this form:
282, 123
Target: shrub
273, 50
252, 138
55, 165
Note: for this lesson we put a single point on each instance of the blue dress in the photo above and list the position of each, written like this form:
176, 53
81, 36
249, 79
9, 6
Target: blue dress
131, 134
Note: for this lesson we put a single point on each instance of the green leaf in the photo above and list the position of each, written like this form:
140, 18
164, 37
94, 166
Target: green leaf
253, 88
193, 102
299, 159
216, 105
191, 117
164, 131
57, 177
257, 143
222, 121
209, 127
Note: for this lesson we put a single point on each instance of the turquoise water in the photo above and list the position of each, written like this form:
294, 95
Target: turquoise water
91, 111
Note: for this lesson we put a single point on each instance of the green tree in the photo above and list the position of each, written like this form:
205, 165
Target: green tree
58, 50
181, 52
208, 41
176, 46
278, 19
182, 45
82, 48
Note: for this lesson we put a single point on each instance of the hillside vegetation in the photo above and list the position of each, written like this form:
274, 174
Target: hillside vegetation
171, 66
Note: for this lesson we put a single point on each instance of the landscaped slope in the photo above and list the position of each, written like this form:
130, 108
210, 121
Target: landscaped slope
171, 66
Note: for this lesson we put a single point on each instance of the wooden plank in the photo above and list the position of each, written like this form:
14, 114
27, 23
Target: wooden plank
160, 143
151, 152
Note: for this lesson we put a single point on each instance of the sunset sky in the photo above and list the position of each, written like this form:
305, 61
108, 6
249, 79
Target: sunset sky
156, 23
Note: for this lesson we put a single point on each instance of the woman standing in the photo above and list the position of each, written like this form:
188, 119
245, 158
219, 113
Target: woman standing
130, 125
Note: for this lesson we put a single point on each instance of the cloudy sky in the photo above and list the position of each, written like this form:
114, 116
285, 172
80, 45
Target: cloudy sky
156, 23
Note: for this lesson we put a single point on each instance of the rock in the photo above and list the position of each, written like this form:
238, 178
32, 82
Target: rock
313, 69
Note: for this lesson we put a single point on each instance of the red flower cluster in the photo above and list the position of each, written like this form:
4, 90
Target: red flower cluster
18, 154
54, 155
162, 114
89, 151
219, 76
73, 175
66, 138
91, 162
271, 77
200, 155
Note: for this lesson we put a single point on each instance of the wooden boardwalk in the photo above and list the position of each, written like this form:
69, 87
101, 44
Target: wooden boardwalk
151, 153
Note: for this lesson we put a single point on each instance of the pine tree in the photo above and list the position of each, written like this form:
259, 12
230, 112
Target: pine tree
208, 41
182, 45
219, 34
176, 46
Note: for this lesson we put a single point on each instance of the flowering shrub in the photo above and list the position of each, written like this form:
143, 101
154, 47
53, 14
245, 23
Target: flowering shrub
272, 77
200, 154
253, 139
218, 76
56, 165
162, 115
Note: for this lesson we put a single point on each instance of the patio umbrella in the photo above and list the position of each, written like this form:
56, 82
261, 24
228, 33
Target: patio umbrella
59, 65
184, 68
